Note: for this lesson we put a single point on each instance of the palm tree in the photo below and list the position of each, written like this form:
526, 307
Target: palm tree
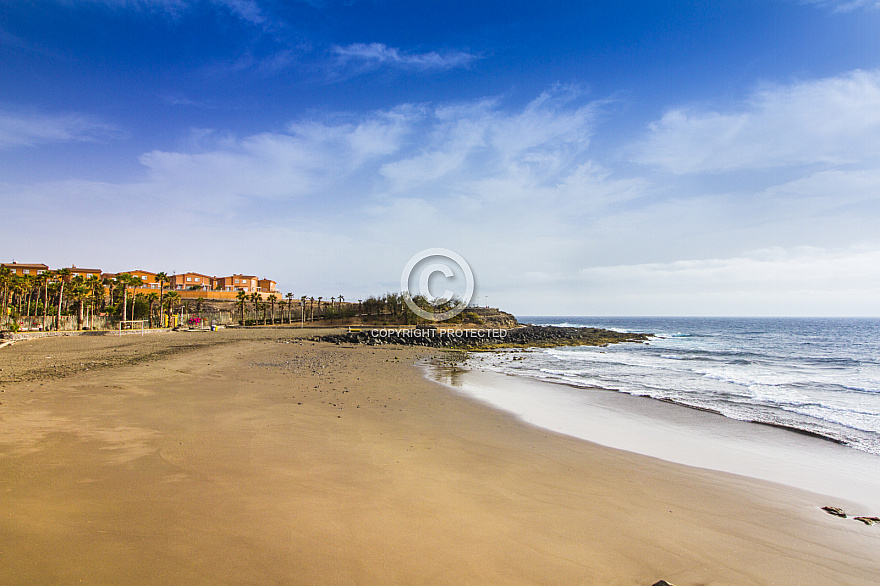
255, 299
96, 286
242, 299
272, 299
161, 278
341, 299
152, 298
43, 284
171, 300
17, 289
302, 311
139, 295
108, 289
5, 280
311, 309
125, 280
27, 283
289, 297
62, 274
79, 292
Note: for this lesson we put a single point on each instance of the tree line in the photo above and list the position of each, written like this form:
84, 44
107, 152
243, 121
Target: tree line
42, 299
299, 309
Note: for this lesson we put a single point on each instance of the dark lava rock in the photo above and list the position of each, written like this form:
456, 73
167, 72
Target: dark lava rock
868, 520
485, 338
663, 583
835, 511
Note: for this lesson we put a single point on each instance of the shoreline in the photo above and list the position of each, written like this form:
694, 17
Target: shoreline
263, 457
655, 428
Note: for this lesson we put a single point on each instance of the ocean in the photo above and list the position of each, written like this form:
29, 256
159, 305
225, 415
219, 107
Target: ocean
696, 393
819, 376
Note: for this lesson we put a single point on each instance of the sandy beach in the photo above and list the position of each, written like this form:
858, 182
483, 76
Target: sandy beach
257, 456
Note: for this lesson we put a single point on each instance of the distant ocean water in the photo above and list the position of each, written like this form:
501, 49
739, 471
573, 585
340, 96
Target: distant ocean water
821, 376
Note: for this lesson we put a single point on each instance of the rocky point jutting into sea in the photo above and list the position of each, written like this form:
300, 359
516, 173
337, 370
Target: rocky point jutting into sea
485, 338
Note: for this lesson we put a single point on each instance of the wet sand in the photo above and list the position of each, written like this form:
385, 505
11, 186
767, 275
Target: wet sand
255, 457
676, 433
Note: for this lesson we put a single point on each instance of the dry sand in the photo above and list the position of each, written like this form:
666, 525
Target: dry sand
252, 457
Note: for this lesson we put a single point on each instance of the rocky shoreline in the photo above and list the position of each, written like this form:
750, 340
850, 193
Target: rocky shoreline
485, 339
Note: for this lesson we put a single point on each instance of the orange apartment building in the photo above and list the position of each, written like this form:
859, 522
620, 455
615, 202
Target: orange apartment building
147, 278
24, 269
84, 273
191, 282
188, 284
246, 283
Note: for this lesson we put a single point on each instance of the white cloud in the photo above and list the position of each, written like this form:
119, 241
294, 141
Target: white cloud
342, 201
311, 158
25, 129
469, 144
780, 282
846, 5
828, 121
377, 54
473, 151
247, 10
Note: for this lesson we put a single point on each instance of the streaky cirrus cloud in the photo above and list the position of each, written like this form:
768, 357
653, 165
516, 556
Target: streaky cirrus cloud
518, 191
475, 142
309, 157
472, 149
846, 5
28, 129
372, 55
834, 120
247, 10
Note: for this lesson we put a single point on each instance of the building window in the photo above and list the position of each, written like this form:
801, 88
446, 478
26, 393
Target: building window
143, 277
25, 271
197, 279
189, 279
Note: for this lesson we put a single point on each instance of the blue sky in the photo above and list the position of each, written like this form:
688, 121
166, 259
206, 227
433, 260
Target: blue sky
617, 158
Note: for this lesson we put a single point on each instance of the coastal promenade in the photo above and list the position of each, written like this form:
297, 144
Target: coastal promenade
259, 456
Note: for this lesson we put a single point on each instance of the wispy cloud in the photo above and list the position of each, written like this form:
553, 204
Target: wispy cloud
27, 129
519, 191
846, 5
171, 7
310, 158
246, 10
260, 65
481, 152
373, 55
830, 121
